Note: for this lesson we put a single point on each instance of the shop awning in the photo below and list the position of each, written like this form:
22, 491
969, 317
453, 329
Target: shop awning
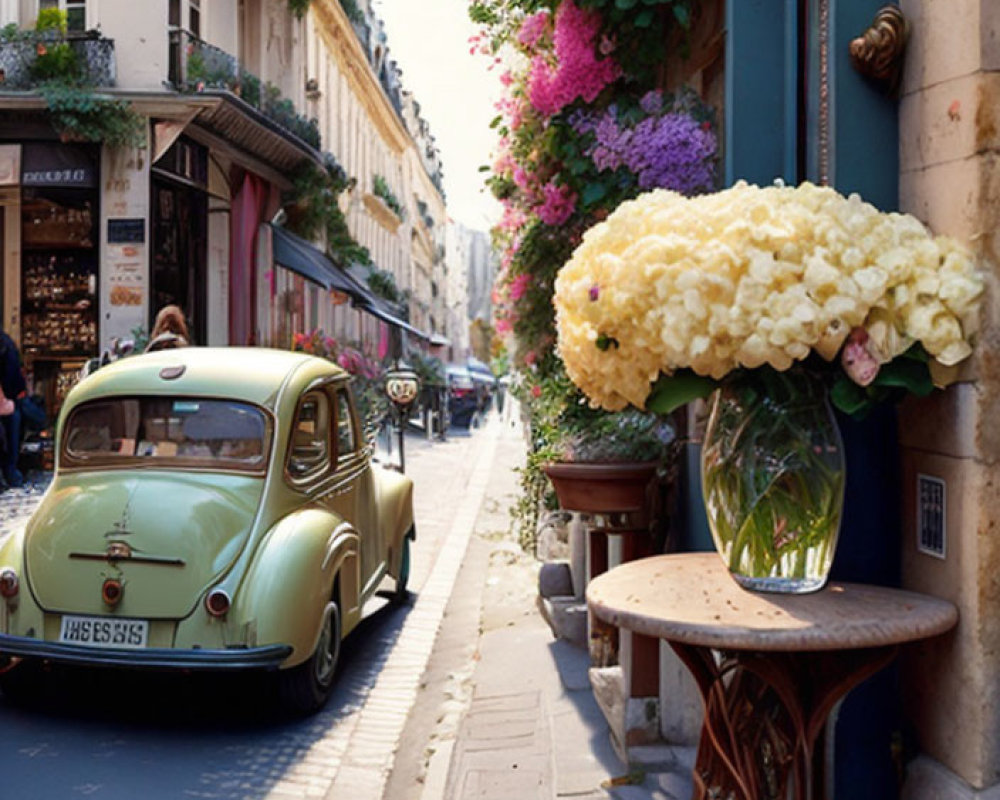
377, 309
295, 253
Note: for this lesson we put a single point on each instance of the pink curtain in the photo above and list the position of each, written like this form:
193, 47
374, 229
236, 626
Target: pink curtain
247, 214
383, 341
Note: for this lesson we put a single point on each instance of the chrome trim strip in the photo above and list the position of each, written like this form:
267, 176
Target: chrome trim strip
165, 560
268, 657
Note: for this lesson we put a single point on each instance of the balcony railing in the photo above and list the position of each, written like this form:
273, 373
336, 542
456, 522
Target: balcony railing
25, 60
196, 65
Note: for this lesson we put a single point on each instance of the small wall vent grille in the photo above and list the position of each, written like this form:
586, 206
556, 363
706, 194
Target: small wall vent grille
931, 494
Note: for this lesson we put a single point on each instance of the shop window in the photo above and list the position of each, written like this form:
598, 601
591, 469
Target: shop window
309, 452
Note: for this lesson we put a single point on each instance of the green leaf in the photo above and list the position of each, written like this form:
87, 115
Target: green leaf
644, 19
624, 5
593, 193
683, 16
670, 392
849, 397
906, 373
496, 120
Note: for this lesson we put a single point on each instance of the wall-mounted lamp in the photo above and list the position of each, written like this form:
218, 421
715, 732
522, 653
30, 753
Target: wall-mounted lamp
312, 89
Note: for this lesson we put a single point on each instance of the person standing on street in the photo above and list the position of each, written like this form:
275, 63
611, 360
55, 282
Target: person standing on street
14, 389
169, 330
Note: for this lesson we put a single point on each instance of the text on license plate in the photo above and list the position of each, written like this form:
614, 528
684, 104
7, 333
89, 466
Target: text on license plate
104, 632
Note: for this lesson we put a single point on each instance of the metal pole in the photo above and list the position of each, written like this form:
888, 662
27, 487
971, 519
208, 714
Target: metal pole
402, 457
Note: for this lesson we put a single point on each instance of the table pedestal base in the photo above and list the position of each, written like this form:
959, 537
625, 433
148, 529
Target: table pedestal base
765, 716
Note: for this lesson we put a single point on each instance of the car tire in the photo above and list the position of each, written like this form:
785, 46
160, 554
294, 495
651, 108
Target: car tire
401, 594
304, 689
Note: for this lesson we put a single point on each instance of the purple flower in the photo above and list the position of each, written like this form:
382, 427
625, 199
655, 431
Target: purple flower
595, 292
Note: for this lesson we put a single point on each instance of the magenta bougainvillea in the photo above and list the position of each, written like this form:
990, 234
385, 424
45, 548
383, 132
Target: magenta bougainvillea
573, 70
582, 128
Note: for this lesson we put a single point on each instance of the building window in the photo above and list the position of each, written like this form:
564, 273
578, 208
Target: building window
194, 18
175, 13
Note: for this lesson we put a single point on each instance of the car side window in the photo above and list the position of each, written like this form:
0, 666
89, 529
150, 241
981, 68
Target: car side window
309, 452
347, 441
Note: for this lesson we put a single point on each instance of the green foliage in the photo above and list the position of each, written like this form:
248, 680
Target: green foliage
354, 14
380, 187
429, 369
207, 72
641, 28
908, 373
312, 207
671, 392
52, 20
78, 113
383, 284
299, 7
55, 62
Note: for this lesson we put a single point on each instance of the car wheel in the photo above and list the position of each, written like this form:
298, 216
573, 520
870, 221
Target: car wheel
306, 688
401, 595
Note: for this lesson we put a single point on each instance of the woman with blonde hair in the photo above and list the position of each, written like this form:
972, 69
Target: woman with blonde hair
169, 330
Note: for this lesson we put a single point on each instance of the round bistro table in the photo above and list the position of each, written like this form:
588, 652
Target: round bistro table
770, 667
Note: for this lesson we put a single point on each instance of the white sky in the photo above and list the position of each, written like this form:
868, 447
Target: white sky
430, 41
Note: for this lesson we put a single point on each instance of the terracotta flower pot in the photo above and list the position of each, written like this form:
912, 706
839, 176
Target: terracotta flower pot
601, 487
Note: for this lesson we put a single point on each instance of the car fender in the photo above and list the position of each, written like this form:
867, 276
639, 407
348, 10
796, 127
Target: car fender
292, 577
395, 494
23, 617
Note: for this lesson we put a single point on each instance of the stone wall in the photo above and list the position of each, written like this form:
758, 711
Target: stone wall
950, 179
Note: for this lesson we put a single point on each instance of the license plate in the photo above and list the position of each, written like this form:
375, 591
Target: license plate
104, 632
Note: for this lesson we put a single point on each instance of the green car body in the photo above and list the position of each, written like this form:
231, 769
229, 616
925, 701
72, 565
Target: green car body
304, 523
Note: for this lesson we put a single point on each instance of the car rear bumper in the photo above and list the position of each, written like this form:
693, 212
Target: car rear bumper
269, 657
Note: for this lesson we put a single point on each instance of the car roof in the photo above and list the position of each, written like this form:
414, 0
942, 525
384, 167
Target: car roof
253, 374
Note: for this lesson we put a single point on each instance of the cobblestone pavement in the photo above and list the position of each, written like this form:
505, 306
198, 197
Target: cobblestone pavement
127, 735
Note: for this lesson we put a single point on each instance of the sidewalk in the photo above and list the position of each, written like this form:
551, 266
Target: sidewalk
505, 711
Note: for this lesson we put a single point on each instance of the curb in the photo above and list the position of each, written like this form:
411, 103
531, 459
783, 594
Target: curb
369, 756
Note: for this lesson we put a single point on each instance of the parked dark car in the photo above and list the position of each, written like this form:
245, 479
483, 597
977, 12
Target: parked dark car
463, 401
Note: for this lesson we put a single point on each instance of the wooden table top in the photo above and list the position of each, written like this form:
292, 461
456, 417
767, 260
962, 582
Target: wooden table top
691, 598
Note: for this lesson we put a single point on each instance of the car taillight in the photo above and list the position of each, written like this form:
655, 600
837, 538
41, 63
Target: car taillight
461, 392
217, 602
111, 591
9, 583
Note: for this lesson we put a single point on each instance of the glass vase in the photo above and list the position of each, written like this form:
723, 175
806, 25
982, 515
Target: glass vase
772, 472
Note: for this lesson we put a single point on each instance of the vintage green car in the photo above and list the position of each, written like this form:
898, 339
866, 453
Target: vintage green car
211, 509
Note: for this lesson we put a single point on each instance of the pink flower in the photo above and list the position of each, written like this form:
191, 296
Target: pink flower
533, 29
503, 326
595, 292
857, 358
558, 204
507, 78
536, 391
518, 287
530, 358
576, 71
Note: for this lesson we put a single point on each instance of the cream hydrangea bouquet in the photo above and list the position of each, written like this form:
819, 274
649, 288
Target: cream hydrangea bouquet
748, 289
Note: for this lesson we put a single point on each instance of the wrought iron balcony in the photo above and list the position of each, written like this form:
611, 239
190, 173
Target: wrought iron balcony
196, 65
29, 58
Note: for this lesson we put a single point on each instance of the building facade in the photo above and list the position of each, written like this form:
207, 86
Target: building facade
230, 101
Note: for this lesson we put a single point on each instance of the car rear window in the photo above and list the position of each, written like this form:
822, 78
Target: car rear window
174, 431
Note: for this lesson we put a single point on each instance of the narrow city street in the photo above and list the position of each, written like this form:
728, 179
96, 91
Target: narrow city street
130, 735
